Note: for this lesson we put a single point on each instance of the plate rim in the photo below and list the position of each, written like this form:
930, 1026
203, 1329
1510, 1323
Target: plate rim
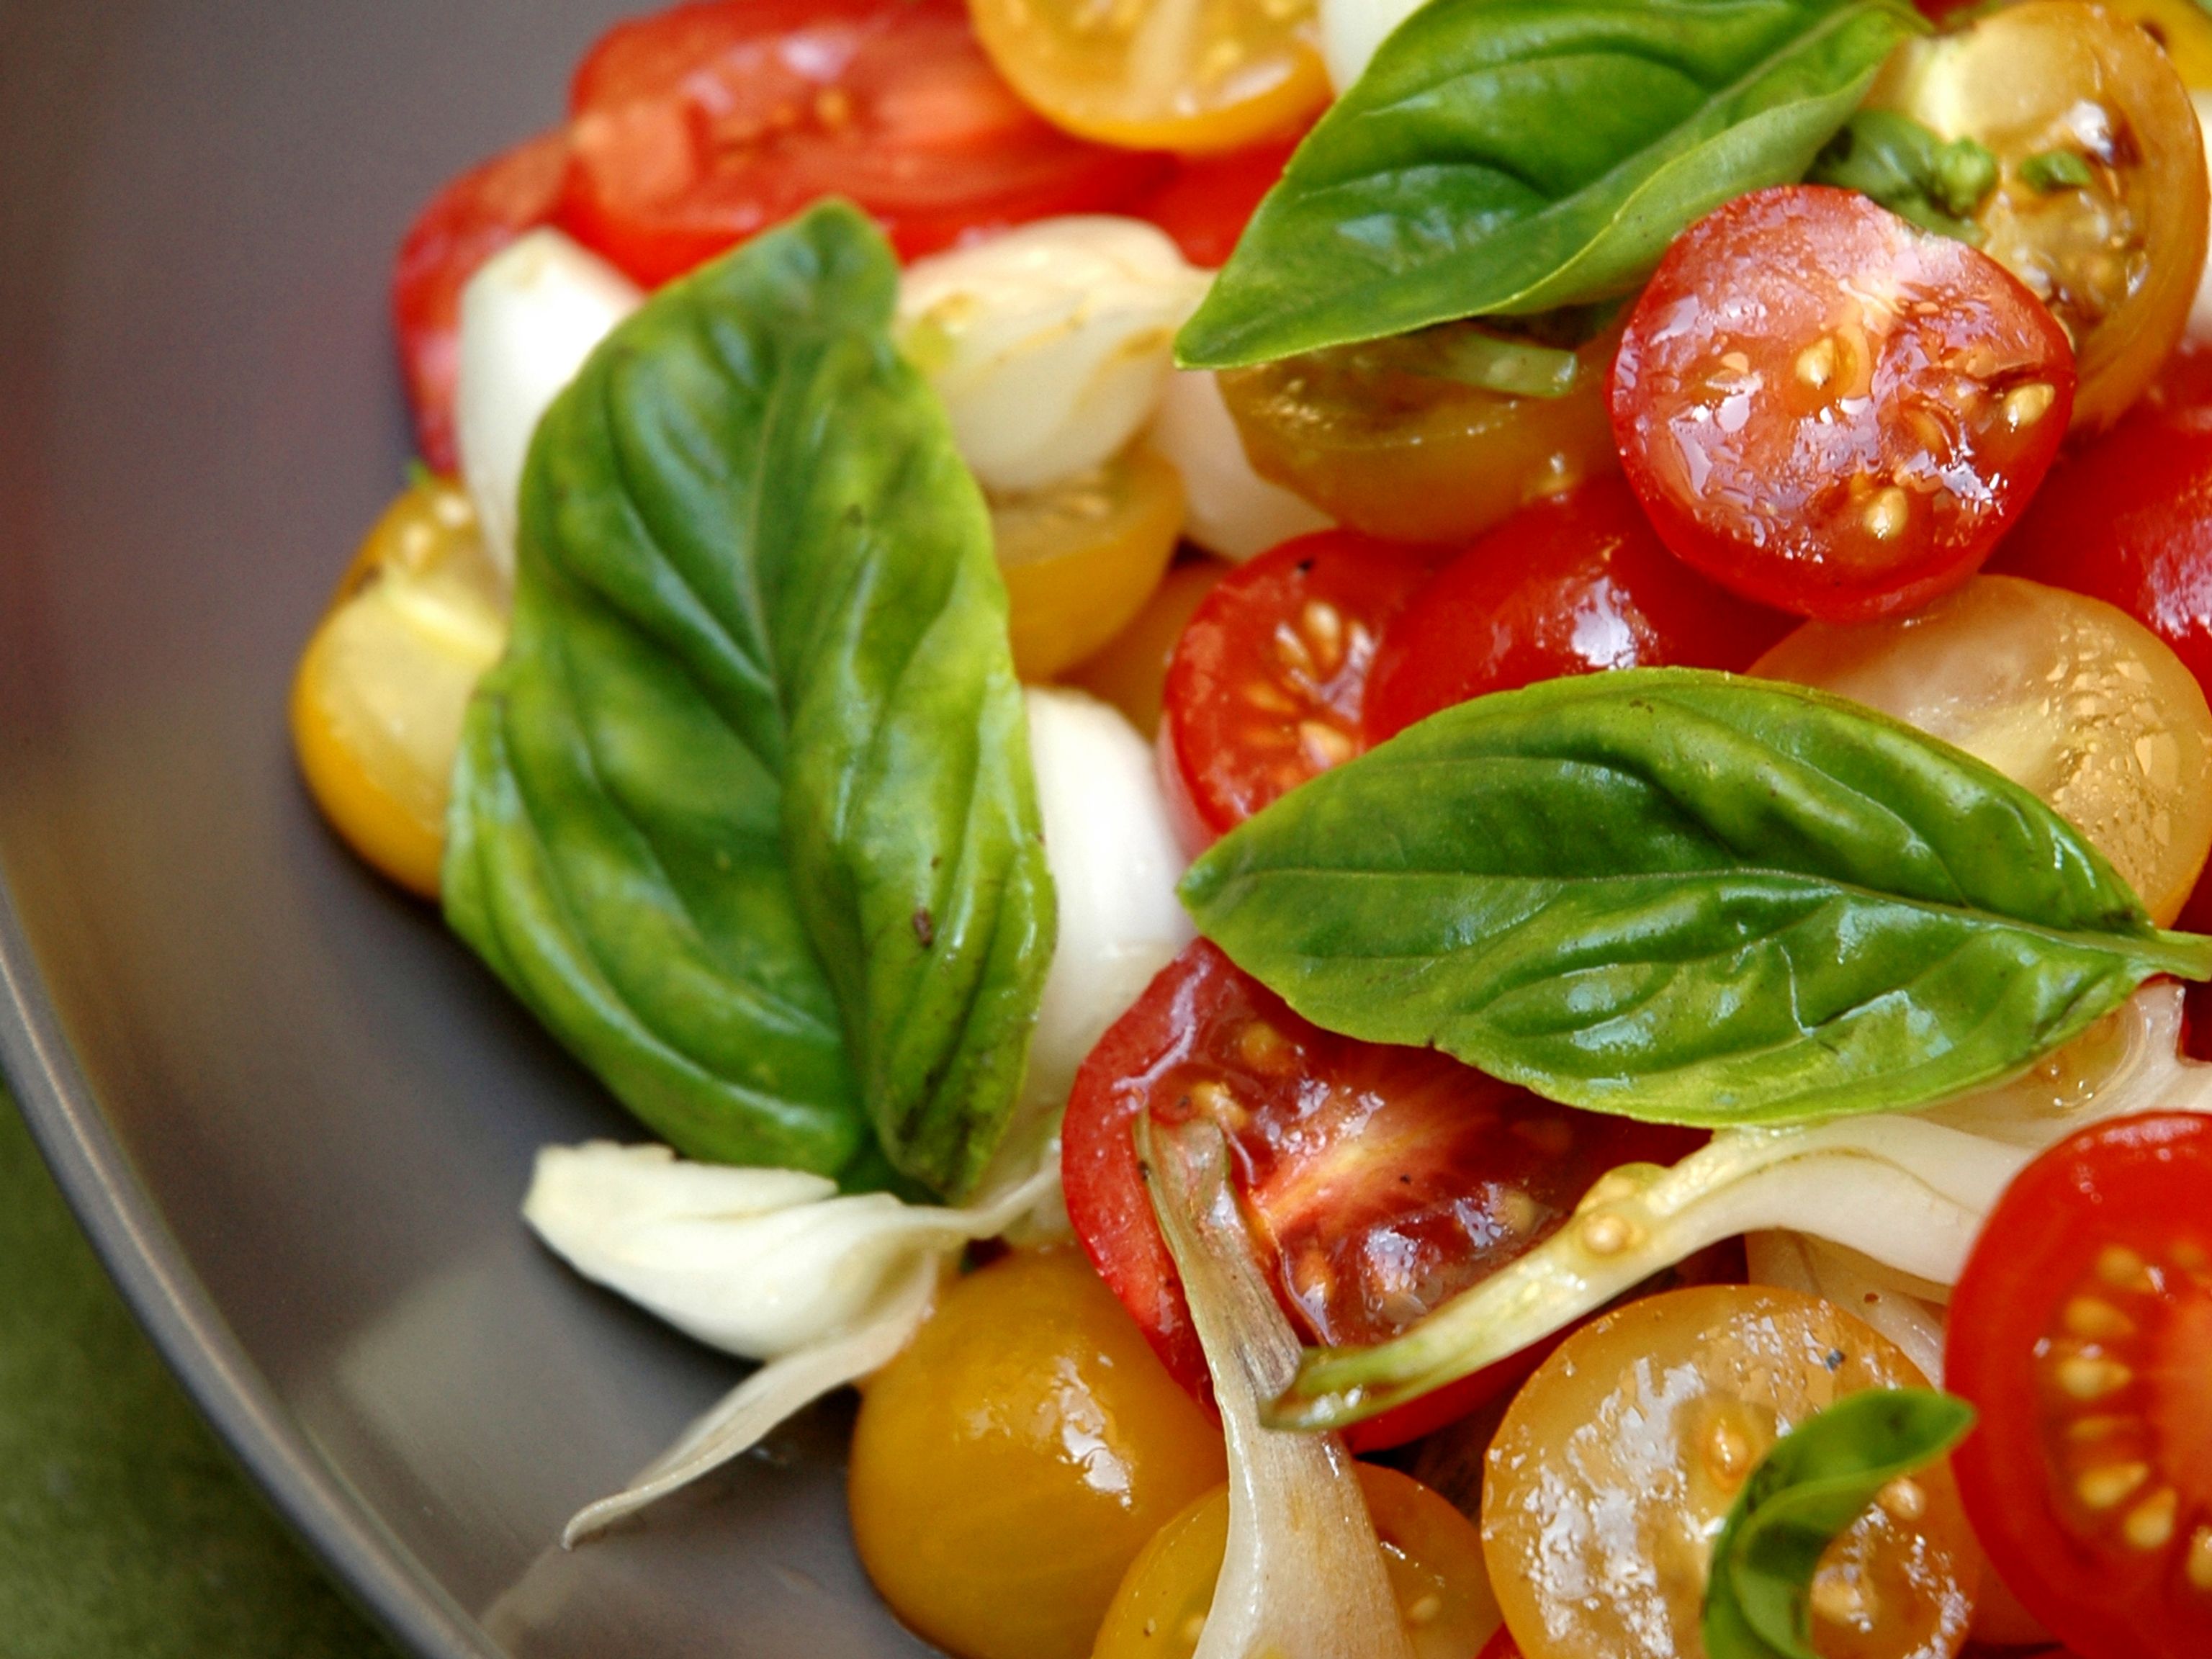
150, 1266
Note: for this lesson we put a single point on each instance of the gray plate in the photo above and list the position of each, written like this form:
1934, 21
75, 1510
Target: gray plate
296, 1115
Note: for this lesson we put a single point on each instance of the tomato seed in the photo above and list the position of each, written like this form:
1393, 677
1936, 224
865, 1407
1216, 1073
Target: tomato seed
2092, 1376
2150, 1525
2200, 1559
2098, 1320
2110, 1484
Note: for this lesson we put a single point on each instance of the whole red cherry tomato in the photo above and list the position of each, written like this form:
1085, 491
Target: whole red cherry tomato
694, 128
1831, 411
2081, 1331
1266, 687
1378, 1182
1207, 202
465, 224
1568, 585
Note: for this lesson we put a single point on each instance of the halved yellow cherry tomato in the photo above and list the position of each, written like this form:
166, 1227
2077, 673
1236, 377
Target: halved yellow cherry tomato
1131, 672
1431, 1552
1194, 76
2065, 695
1381, 441
1081, 556
2181, 27
2101, 206
1008, 1466
1622, 1454
378, 700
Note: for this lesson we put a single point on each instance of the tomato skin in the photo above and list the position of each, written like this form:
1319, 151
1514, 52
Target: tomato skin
1265, 686
1336, 1143
1811, 450
2098, 1255
697, 127
472, 218
1207, 202
1573, 585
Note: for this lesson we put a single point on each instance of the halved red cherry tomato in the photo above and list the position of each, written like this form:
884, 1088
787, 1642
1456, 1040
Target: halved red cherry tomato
2082, 1330
1207, 202
696, 127
465, 224
1266, 684
1828, 410
1377, 1182
1568, 585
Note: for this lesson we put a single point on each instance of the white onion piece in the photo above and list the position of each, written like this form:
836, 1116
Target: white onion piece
1229, 509
1909, 1190
1114, 864
769, 1264
2200, 312
1302, 1576
529, 318
1050, 344
1352, 29
1893, 1303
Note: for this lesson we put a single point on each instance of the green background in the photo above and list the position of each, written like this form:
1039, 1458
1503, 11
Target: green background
125, 1529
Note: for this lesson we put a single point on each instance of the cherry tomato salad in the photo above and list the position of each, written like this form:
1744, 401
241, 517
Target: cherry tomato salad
1406, 804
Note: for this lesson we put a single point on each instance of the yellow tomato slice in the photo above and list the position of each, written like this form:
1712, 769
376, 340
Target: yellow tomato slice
376, 703
2180, 26
1081, 557
1193, 76
1431, 1552
1009, 1466
1132, 671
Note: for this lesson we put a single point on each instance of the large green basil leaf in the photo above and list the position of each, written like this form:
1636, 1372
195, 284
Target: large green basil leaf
745, 814
1811, 1486
1683, 896
1506, 156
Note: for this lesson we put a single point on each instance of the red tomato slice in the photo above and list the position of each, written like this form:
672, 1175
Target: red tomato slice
1266, 684
1568, 586
1207, 202
696, 127
1828, 410
2082, 1330
1377, 1182
465, 223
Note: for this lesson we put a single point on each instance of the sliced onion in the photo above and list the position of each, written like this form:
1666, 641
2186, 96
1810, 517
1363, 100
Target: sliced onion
1050, 344
1908, 1311
529, 318
1909, 1191
1352, 29
1302, 1576
1229, 509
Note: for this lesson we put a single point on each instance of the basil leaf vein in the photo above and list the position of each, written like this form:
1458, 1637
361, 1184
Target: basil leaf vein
1813, 1484
745, 814
1510, 156
1686, 896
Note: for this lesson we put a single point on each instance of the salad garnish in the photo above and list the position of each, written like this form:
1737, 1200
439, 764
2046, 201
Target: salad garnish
1511, 158
1813, 1483
747, 813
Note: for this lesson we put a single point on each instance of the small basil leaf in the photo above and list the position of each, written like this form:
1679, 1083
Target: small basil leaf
2053, 170
1686, 896
1909, 170
745, 814
1810, 1487
1512, 157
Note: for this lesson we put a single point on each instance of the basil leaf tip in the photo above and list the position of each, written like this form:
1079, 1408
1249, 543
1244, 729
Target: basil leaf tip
1686, 897
758, 714
1813, 1484
1512, 157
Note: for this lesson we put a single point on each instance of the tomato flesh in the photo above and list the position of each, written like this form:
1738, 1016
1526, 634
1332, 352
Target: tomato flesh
1267, 684
1830, 411
2082, 1330
1207, 202
1574, 585
1377, 1182
465, 223
697, 127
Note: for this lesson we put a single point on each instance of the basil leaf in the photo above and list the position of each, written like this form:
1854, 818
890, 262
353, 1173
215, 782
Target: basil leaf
1899, 163
1503, 156
1810, 1487
2053, 170
1681, 896
745, 814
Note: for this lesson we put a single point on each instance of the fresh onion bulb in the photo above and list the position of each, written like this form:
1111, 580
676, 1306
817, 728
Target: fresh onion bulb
1352, 29
1050, 344
1229, 509
529, 318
